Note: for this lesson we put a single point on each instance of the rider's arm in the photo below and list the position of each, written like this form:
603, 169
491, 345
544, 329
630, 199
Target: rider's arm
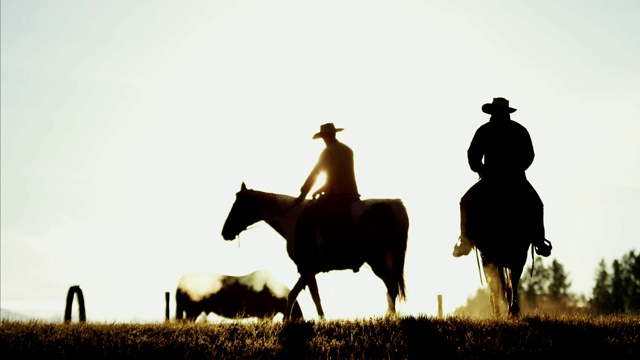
311, 179
527, 151
476, 152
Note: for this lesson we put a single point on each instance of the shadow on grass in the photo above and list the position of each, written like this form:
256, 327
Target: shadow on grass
295, 339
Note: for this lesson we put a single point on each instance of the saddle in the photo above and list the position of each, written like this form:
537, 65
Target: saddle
500, 216
331, 218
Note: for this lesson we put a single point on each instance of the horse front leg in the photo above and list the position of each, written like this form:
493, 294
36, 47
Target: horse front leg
315, 295
293, 296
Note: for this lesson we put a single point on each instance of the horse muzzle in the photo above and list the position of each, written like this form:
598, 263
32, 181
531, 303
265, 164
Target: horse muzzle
229, 236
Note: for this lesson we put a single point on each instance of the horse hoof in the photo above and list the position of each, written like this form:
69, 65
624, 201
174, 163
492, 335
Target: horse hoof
514, 311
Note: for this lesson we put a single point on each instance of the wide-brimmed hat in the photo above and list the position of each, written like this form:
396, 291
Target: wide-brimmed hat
327, 128
499, 105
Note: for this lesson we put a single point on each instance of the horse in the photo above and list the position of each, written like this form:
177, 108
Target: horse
380, 240
257, 294
503, 241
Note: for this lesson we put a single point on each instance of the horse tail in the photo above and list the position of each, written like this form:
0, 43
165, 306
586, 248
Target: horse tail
399, 249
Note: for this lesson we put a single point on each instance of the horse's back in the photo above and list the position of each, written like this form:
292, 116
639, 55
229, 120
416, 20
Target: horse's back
383, 209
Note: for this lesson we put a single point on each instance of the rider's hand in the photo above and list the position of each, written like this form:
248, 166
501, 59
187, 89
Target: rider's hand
317, 193
298, 200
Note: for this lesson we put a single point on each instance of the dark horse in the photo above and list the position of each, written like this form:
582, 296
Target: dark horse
379, 239
503, 237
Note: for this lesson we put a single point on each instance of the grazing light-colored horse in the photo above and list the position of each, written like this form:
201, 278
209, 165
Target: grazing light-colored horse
378, 239
257, 294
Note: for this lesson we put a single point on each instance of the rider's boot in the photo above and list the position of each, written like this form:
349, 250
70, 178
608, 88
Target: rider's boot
463, 246
543, 247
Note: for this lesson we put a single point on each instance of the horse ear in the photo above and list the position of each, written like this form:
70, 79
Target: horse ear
243, 187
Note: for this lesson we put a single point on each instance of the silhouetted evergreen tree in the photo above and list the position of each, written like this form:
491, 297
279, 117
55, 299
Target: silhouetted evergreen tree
558, 288
618, 291
628, 287
533, 286
618, 287
548, 289
634, 273
601, 294
478, 305
556, 296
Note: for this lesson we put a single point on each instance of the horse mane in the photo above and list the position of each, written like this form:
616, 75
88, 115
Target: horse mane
267, 197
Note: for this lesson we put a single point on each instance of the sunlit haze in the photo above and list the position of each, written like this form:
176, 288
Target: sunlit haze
127, 127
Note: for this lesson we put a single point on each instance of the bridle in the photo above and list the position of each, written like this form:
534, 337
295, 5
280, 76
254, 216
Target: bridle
280, 212
266, 218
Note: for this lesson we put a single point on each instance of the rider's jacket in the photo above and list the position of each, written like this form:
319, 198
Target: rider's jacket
336, 161
505, 146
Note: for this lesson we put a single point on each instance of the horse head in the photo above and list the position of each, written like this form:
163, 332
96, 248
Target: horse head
242, 214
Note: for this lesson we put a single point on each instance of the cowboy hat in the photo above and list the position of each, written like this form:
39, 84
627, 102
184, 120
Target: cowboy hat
327, 128
499, 105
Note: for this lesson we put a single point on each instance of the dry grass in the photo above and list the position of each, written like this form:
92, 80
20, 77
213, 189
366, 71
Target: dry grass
537, 337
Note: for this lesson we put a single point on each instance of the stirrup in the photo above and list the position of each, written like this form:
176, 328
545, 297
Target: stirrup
544, 248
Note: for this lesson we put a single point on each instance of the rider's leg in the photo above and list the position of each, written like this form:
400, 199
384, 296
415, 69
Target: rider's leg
541, 245
464, 244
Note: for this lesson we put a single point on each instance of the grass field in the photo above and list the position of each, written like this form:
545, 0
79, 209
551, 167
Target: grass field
539, 337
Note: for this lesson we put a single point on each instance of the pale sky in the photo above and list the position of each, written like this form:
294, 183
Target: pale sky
127, 127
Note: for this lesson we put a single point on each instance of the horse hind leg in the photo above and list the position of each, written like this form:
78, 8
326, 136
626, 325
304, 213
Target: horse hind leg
391, 297
492, 275
385, 274
304, 280
292, 297
505, 282
514, 305
315, 294
510, 291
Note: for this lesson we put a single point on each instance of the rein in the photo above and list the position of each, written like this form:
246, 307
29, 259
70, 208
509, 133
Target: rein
267, 218
280, 212
533, 260
479, 270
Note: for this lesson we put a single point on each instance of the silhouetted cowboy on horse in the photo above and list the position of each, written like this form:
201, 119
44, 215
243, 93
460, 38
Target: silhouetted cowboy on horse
500, 152
330, 213
336, 231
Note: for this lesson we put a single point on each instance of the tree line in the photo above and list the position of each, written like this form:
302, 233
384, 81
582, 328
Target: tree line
547, 290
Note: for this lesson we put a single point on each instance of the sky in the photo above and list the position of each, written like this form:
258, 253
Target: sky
127, 127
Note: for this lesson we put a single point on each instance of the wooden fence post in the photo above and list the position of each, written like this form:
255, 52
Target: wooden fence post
440, 306
67, 311
166, 309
